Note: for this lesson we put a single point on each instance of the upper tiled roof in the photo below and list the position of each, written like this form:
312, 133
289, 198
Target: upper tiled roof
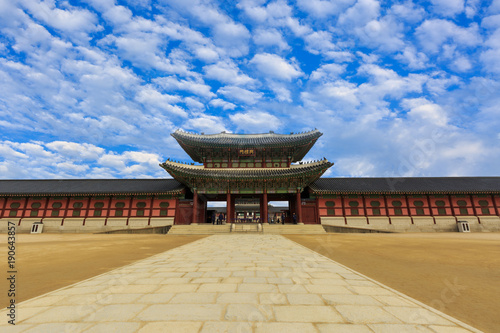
195, 144
227, 140
408, 185
89, 186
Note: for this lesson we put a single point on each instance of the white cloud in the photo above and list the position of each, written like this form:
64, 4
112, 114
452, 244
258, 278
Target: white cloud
448, 7
276, 67
206, 124
413, 58
224, 105
198, 88
327, 72
432, 34
270, 38
227, 72
424, 110
255, 121
240, 94
361, 13
75, 151
324, 8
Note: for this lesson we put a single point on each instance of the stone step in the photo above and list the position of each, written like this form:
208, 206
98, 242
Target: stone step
210, 229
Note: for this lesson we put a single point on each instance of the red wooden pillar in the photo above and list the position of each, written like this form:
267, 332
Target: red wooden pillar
228, 208
264, 207
195, 207
299, 207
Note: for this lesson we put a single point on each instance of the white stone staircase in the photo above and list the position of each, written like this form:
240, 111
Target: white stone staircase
210, 229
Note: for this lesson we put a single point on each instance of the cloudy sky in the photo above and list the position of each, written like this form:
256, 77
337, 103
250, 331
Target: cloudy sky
93, 89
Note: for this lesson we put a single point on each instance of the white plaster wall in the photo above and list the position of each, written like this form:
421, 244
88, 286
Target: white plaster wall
161, 221
490, 223
357, 222
336, 221
138, 222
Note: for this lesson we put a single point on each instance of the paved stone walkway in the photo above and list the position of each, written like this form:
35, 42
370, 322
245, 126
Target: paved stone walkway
230, 283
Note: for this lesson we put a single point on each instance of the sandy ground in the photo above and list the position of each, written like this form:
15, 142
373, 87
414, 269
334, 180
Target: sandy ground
458, 274
48, 262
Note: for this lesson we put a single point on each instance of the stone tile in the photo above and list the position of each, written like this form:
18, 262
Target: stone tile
350, 300
273, 298
395, 301
279, 280
194, 298
182, 312
330, 282
218, 287
235, 298
24, 313
5, 327
206, 280
398, 328
61, 314
285, 328
171, 327
257, 288
172, 280
115, 312
232, 279
413, 315
131, 289
248, 312
114, 328
449, 329
373, 291
43, 301
178, 288
362, 314
292, 289
327, 289
58, 327
306, 313
343, 328
254, 280
155, 298
227, 327
305, 299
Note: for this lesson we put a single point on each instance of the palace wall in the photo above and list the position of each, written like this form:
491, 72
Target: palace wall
411, 213
87, 214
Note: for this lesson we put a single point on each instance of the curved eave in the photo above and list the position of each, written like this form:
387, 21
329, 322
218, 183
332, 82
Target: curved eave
315, 169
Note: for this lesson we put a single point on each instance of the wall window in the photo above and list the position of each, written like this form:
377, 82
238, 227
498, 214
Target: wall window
77, 208
375, 204
440, 204
98, 208
119, 211
34, 209
330, 211
55, 209
396, 203
140, 208
398, 211
462, 204
13, 209
418, 203
484, 207
354, 211
330, 204
164, 204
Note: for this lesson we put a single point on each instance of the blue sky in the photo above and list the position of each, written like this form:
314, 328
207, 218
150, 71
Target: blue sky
93, 89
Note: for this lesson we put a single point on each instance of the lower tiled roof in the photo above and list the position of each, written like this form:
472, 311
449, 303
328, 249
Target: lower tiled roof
408, 185
89, 186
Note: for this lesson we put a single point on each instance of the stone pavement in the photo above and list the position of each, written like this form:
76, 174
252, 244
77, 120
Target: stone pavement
230, 283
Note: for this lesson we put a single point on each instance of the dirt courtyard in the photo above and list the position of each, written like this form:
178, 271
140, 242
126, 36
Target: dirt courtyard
458, 274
